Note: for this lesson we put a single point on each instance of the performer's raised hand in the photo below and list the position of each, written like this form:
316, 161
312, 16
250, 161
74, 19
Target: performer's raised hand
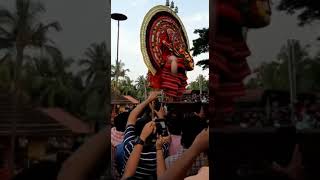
153, 95
161, 113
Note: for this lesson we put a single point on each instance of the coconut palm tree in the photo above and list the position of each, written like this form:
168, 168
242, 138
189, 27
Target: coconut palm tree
201, 83
142, 87
25, 30
95, 62
97, 93
6, 74
275, 74
118, 71
51, 79
126, 86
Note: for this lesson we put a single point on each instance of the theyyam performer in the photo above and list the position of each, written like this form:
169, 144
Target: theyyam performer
229, 50
166, 52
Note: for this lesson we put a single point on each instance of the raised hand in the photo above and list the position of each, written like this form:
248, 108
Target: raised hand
153, 95
295, 168
201, 142
161, 113
147, 130
162, 140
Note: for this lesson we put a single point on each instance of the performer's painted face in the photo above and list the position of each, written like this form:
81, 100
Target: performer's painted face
259, 14
264, 10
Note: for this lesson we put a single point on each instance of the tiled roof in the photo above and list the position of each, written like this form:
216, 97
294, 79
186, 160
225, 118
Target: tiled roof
67, 120
30, 120
119, 99
133, 100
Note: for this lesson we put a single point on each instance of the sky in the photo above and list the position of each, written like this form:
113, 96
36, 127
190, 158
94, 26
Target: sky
266, 43
85, 22
193, 14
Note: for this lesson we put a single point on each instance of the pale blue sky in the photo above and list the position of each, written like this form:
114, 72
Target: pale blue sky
193, 14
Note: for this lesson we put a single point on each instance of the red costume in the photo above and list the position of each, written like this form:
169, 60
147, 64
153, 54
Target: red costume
228, 64
165, 48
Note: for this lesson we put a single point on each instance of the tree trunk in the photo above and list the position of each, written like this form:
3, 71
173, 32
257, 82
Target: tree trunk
17, 68
17, 90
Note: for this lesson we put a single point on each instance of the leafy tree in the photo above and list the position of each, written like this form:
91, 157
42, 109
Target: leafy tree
53, 82
201, 83
126, 87
201, 45
94, 62
275, 74
97, 93
117, 71
6, 74
142, 87
308, 11
24, 29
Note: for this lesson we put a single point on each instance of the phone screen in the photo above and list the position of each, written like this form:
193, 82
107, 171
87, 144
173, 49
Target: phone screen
163, 125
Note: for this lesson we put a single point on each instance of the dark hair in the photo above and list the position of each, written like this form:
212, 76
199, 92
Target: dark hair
197, 107
120, 121
174, 121
140, 124
191, 127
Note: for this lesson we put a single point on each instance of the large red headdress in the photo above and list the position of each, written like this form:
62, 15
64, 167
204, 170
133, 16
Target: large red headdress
165, 46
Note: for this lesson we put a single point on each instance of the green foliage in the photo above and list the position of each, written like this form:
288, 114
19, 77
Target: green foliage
21, 29
275, 75
117, 72
201, 83
44, 79
308, 11
142, 87
201, 45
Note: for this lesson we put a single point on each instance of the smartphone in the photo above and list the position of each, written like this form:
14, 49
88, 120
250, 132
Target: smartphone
161, 97
161, 127
157, 105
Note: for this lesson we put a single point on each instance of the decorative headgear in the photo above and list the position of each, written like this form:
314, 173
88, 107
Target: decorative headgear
161, 28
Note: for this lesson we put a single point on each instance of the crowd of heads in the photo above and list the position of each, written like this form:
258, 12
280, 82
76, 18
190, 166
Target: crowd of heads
305, 116
194, 98
181, 126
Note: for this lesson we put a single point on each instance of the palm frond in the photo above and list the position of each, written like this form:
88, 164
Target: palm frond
5, 33
6, 17
52, 51
5, 43
5, 58
84, 62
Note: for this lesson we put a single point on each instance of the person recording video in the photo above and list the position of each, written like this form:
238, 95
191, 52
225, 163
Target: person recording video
141, 145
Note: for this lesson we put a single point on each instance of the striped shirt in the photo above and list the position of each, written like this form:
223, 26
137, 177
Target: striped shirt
147, 166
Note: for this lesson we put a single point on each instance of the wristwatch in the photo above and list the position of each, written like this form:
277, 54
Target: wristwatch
138, 140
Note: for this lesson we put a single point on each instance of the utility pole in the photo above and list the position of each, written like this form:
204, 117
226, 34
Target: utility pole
292, 77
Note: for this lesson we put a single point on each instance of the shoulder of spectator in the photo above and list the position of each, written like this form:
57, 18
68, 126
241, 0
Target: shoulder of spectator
129, 134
